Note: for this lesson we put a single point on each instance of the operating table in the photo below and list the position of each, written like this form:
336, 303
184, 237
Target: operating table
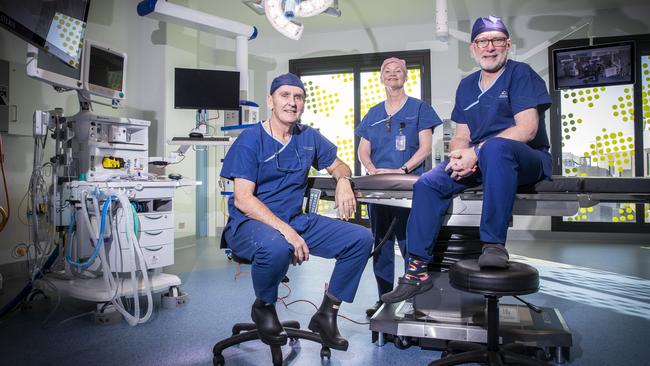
444, 314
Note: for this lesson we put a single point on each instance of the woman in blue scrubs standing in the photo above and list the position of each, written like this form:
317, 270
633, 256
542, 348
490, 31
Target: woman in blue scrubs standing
395, 138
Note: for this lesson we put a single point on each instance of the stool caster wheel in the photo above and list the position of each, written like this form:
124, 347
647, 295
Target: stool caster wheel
402, 342
325, 353
218, 360
276, 355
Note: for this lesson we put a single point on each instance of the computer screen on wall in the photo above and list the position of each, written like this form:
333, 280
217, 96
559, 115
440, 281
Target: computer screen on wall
57, 26
206, 89
594, 66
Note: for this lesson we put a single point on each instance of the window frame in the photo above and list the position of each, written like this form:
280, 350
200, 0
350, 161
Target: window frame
642, 48
356, 64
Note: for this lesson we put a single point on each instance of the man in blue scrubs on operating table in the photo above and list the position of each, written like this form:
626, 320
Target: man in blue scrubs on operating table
500, 142
269, 164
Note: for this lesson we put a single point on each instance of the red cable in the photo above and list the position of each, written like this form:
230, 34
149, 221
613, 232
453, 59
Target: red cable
4, 180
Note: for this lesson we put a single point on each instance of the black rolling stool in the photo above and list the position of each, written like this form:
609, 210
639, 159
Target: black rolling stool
517, 279
292, 327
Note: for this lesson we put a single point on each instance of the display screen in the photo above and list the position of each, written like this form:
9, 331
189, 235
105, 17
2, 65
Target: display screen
105, 69
592, 66
206, 89
57, 26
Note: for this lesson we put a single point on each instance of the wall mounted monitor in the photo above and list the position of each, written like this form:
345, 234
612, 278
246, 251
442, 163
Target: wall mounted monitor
104, 71
594, 66
57, 26
49, 69
206, 89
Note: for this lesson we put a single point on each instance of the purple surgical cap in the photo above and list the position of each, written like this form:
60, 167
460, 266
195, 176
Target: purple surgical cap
491, 23
286, 79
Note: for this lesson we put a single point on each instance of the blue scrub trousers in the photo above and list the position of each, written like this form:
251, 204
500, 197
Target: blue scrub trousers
384, 262
504, 165
270, 253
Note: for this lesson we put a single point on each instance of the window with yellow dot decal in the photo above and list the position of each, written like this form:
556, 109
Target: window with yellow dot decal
341, 90
597, 130
329, 108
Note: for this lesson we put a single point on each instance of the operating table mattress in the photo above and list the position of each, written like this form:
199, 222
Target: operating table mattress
558, 188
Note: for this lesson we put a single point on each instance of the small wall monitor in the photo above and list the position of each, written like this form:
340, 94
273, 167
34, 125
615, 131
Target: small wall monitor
57, 26
206, 89
104, 71
594, 66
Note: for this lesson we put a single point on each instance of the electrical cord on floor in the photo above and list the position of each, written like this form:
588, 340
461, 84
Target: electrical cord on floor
286, 306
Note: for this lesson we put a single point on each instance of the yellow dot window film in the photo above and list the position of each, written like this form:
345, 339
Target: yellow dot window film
329, 108
598, 141
645, 100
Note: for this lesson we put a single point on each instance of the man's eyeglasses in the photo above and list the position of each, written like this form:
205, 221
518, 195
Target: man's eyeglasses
496, 42
287, 162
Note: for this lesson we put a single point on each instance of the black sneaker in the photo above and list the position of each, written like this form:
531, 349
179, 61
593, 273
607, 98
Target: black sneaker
373, 309
406, 289
494, 256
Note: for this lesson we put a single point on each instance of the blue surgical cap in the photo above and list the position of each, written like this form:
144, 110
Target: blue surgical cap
286, 79
491, 23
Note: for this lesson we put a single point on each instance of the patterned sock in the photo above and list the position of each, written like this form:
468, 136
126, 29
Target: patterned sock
416, 269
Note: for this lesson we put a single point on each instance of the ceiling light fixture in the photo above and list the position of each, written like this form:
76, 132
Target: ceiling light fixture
281, 13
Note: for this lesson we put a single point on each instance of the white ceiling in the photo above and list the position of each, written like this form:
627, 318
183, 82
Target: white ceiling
384, 13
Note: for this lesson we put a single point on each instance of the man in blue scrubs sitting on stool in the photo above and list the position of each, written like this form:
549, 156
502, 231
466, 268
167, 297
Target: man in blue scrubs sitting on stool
269, 164
500, 142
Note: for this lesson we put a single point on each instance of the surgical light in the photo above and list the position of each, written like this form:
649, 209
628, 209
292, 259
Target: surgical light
275, 15
280, 13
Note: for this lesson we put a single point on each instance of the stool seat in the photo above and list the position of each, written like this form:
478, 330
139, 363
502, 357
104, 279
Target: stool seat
517, 279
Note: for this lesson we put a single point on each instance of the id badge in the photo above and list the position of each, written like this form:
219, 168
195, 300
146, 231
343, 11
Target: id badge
400, 142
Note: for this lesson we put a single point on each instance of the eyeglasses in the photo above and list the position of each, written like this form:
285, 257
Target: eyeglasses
388, 123
496, 42
287, 162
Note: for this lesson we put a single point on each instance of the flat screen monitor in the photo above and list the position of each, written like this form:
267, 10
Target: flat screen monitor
104, 71
206, 89
57, 26
594, 66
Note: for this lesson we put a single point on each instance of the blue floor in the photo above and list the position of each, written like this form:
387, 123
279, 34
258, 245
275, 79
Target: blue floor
608, 313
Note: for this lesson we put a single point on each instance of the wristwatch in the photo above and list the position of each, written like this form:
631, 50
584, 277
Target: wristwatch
405, 169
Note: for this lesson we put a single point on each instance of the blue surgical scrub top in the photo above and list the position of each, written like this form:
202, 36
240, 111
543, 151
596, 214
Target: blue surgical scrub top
489, 112
279, 171
381, 132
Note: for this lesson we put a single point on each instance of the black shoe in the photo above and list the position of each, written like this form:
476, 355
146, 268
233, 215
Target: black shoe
373, 309
406, 289
324, 323
268, 326
494, 256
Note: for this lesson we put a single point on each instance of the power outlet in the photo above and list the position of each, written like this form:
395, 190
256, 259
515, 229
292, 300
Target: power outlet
230, 118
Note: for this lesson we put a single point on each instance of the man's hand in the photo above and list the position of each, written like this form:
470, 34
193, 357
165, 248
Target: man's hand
462, 163
344, 198
300, 249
